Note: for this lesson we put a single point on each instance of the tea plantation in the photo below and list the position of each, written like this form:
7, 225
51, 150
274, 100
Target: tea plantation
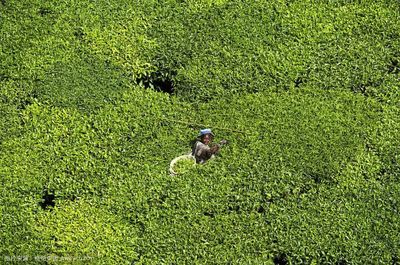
97, 97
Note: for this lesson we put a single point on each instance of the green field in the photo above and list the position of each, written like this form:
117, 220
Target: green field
97, 97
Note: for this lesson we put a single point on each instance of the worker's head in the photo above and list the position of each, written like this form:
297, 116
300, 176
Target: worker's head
206, 139
206, 136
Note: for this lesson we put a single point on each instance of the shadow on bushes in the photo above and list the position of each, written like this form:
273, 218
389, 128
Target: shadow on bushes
161, 81
47, 200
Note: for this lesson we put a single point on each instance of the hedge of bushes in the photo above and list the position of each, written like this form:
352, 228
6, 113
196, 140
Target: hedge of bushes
242, 46
306, 92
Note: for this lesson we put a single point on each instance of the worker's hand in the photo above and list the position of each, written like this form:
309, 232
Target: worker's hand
223, 142
214, 149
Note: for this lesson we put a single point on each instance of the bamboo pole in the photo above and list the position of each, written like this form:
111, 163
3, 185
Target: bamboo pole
203, 125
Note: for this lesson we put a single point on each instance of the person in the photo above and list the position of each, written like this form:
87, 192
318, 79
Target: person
203, 149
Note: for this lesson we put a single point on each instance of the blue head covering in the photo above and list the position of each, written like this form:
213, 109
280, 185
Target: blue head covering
204, 132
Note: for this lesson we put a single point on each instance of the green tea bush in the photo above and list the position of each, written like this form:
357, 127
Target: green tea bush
304, 91
276, 186
269, 174
248, 47
64, 53
86, 233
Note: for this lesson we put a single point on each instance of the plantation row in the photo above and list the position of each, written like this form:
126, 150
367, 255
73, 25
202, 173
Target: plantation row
63, 52
306, 93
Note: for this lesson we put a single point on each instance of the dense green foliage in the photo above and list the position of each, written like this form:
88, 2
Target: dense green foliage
306, 92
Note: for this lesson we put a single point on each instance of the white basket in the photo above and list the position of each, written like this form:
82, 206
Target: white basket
176, 159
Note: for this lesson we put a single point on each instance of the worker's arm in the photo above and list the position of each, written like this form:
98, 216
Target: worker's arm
217, 147
202, 152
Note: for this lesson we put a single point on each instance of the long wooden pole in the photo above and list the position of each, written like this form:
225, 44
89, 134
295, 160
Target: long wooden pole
203, 125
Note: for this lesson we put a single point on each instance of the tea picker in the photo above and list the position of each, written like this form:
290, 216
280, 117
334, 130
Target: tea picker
202, 150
